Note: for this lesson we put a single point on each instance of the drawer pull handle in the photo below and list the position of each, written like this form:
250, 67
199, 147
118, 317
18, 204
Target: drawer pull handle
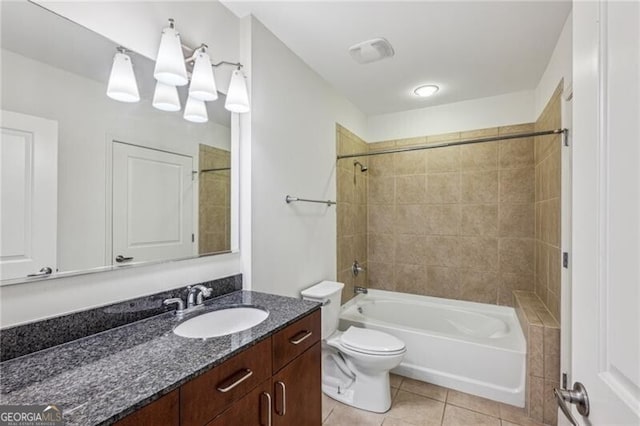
303, 335
235, 380
268, 409
284, 399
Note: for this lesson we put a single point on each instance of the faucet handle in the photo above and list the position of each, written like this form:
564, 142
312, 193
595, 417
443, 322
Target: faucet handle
177, 301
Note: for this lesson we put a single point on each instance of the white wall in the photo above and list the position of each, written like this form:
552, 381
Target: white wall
559, 67
473, 114
294, 113
28, 302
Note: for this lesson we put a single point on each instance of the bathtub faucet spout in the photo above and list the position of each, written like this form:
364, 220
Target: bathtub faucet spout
360, 290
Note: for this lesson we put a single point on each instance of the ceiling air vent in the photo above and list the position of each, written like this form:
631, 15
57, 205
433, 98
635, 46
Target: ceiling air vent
371, 50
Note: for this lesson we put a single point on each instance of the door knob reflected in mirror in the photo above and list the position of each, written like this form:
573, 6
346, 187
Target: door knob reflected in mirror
120, 258
43, 272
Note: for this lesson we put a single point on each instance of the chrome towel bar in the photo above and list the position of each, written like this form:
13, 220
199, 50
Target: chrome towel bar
289, 199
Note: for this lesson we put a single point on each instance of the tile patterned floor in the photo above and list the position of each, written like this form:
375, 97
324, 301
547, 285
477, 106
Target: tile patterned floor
418, 403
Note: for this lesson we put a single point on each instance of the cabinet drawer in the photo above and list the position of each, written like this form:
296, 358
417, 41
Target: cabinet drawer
252, 410
206, 396
163, 412
295, 339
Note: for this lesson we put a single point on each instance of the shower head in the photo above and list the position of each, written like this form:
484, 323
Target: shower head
363, 168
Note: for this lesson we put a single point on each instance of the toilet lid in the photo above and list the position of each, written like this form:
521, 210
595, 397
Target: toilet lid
371, 341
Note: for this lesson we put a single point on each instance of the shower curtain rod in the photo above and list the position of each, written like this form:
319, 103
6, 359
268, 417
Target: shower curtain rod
563, 132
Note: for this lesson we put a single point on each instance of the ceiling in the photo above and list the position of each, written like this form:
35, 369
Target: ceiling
471, 49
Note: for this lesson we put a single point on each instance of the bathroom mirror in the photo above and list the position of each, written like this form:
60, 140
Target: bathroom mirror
90, 183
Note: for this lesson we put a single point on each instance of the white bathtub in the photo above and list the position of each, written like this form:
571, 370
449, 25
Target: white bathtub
471, 347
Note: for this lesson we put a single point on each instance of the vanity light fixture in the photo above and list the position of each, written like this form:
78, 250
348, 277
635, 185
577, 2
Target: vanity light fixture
122, 80
170, 67
195, 111
426, 90
237, 96
166, 98
203, 84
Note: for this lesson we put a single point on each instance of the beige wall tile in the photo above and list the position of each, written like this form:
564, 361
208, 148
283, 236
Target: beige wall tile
516, 153
517, 185
381, 219
479, 133
535, 350
479, 219
479, 286
380, 165
444, 137
441, 251
443, 188
516, 128
517, 220
479, 187
552, 354
479, 157
443, 160
380, 248
410, 219
479, 253
382, 190
409, 163
442, 219
536, 390
443, 282
514, 281
516, 255
411, 189
381, 276
410, 249
410, 278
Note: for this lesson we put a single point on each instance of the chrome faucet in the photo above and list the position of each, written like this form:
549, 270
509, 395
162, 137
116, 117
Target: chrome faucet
177, 301
196, 295
360, 290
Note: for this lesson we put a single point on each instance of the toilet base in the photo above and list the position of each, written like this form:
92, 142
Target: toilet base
366, 392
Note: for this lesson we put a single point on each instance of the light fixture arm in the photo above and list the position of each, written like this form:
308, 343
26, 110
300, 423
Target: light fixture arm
203, 46
238, 65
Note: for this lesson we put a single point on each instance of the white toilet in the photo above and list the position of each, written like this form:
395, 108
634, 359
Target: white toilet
356, 362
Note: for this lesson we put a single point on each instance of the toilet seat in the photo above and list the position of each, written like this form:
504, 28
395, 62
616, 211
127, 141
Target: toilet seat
371, 342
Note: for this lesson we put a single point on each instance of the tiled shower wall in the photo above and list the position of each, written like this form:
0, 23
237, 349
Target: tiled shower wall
352, 211
214, 216
547, 206
455, 222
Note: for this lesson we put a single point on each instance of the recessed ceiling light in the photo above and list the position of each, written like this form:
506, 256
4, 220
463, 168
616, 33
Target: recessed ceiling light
426, 90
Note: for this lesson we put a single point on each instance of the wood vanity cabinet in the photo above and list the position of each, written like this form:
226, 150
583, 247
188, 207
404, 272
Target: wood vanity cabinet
276, 382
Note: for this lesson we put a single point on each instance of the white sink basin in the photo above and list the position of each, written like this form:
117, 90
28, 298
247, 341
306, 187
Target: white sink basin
221, 322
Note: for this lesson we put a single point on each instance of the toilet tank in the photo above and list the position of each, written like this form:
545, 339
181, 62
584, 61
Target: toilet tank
329, 293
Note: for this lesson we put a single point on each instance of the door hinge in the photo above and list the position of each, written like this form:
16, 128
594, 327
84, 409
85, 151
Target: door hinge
564, 380
565, 260
193, 238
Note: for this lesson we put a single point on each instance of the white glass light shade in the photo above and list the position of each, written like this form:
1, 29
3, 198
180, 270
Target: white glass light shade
195, 111
122, 81
170, 68
165, 97
203, 84
237, 96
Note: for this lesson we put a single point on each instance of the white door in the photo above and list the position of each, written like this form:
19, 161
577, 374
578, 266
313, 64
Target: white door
152, 205
606, 210
29, 195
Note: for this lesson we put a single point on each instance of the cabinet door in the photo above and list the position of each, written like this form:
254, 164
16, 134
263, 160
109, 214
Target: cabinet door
297, 391
163, 412
252, 410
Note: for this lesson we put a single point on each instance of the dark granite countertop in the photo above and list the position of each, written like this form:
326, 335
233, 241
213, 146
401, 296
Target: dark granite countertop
102, 378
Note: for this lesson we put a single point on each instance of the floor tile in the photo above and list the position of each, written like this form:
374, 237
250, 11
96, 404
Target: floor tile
328, 404
506, 423
416, 409
474, 403
456, 416
425, 389
389, 421
396, 380
516, 415
344, 415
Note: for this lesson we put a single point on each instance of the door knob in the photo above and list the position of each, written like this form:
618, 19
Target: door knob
120, 258
43, 272
578, 396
